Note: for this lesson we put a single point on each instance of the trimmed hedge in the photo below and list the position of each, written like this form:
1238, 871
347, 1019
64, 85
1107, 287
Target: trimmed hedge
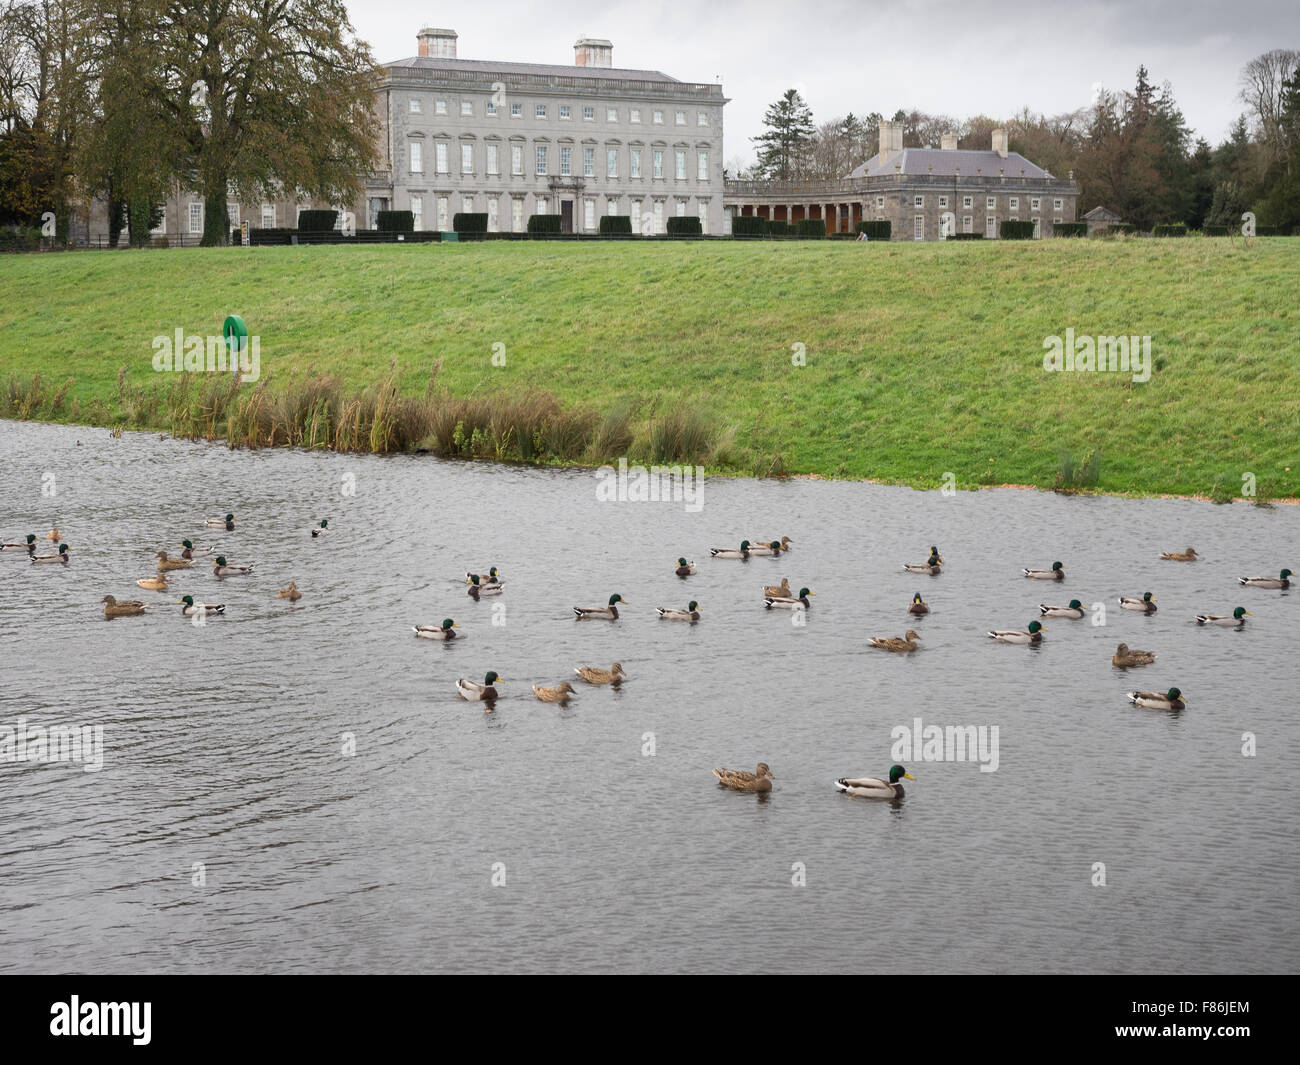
1173, 229
1117, 228
316, 221
780, 229
543, 225
1219, 231
278, 235
1070, 229
395, 222
615, 225
965, 236
748, 225
810, 228
685, 226
1012, 229
469, 224
875, 228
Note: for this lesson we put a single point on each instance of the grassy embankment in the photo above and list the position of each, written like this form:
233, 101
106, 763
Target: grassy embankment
921, 359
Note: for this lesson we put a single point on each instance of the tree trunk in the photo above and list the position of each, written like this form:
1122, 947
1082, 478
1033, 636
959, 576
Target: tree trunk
216, 217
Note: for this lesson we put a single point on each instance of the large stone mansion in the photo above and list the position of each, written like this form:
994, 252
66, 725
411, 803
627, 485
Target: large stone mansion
587, 139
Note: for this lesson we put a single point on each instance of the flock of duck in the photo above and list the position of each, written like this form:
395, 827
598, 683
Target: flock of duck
775, 597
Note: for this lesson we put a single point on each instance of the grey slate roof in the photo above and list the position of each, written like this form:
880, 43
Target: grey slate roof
917, 161
1101, 212
541, 70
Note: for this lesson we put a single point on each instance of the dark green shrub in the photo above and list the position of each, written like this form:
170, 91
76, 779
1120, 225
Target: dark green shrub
749, 225
1011, 229
615, 225
543, 225
1218, 231
1115, 230
317, 221
810, 228
1069, 229
965, 236
686, 226
780, 229
1173, 229
396, 222
469, 225
875, 228
271, 236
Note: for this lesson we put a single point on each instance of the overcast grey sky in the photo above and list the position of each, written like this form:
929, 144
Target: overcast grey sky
957, 57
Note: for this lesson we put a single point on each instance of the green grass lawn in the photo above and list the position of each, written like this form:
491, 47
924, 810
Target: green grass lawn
921, 359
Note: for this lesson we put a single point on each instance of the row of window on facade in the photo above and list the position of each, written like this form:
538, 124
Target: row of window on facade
542, 160
968, 226
565, 112
639, 211
268, 217
990, 202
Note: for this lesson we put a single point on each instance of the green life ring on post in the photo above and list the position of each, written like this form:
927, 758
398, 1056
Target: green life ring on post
236, 334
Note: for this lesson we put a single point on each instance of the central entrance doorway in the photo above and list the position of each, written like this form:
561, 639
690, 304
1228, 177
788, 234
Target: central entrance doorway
566, 216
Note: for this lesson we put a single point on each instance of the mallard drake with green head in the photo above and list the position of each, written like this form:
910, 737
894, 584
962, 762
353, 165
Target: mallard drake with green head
1170, 700
28, 545
1235, 620
874, 787
490, 577
934, 553
222, 568
684, 568
554, 695
742, 552
691, 613
124, 609
932, 566
1074, 610
1034, 634
1180, 556
62, 556
189, 551
445, 631
479, 587
798, 602
772, 547
1126, 657
154, 584
898, 644
1056, 573
1282, 580
609, 612
743, 780
918, 605
613, 675
189, 607
321, 529
227, 523
477, 693
1145, 605
166, 565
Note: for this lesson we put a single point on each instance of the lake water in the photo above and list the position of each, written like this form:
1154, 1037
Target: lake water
224, 753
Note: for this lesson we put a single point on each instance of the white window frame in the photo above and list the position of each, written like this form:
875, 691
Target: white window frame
467, 158
1038, 229
657, 164
417, 211
1014, 205
680, 208
679, 118
444, 215
880, 202
516, 214
415, 156
634, 115
566, 161
539, 111
440, 160
656, 118
918, 201
516, 110
440, 107
490, 110
467, 204
539, 158
990, 203
636, 164
679, 164
990, 227
1035, 203
588, 113
588, 162
611, 162
967, 202
657, 213
918, 227
265, 208
943, 202
566, 112
494, 160
493, 208
589, 214
967, 223
611, 114
543, 205
704, 217
517, 160
467, 109
1057, 204
702, 165
413, 106
701, 118
635, 213
195, 220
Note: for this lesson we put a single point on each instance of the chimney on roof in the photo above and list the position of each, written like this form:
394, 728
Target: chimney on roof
435, 43
948, 142
891, 141
593, 52
1000, 142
